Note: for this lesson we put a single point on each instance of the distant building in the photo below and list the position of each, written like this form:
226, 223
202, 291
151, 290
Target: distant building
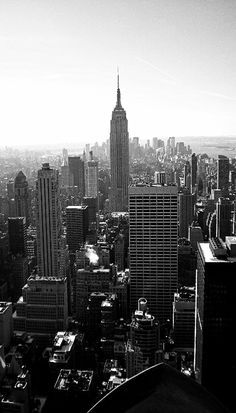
119, 157
160, 177
193, 172
21, 196
76, 169
91, 177
17, 233
223, 174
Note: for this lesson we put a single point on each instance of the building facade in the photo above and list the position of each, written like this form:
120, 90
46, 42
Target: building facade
223, 174
76, 170
153, 247
76, 226
43, 308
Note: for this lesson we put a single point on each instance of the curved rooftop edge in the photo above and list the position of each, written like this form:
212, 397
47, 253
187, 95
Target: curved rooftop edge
160, 388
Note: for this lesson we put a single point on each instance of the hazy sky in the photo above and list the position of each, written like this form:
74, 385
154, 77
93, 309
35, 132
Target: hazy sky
58, 63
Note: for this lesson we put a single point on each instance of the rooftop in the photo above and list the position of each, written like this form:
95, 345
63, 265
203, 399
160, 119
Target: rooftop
153, 189
76, 207
77, 380
62, 346
209, 257
4, 305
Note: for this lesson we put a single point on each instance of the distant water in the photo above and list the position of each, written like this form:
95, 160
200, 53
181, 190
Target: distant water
212, 146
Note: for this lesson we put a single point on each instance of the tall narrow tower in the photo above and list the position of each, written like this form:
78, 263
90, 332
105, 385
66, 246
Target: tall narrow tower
48, 221
119, 156
223, 174
91, 177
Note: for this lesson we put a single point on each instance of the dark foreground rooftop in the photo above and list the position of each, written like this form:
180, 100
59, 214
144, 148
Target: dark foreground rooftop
159, 389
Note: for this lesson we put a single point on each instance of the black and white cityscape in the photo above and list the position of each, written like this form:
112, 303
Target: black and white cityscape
118, 267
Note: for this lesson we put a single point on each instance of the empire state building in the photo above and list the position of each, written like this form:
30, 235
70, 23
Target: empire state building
119, 157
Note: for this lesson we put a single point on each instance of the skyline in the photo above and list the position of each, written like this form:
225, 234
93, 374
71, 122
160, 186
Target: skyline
59, 60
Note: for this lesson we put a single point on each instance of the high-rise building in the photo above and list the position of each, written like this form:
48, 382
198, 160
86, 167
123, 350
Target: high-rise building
119, 157
43, 308
193, 172
48, 222
224, 209
76, 169
17, 235
223, 174
143, 346
186, 213
153, 247
187, 173
76, 226
91, 177
21, 196
214, 352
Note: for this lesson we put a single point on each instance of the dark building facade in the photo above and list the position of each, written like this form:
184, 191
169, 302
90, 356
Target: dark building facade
223, 174
223, 218
77, 226
21, 196
76, 169
17, 235
186, 212
193, 171
215, 316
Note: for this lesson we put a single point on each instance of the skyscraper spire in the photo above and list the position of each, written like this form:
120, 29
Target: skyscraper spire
118, 102
119, 156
